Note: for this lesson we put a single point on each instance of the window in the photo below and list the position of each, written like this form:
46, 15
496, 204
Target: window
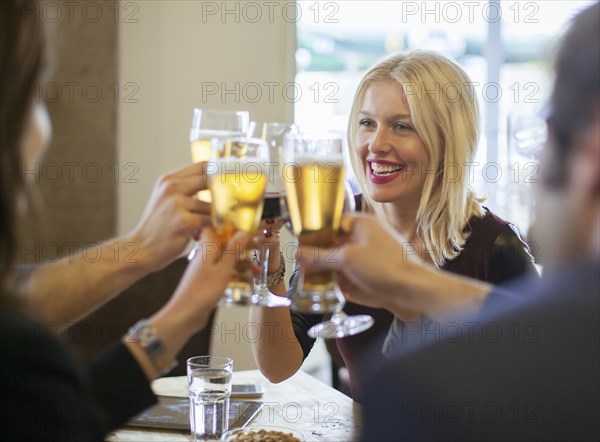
505, 47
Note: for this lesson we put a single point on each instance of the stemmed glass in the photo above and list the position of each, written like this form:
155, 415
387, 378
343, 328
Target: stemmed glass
341, 325
208, 124
273, 134
237, 179
314, 177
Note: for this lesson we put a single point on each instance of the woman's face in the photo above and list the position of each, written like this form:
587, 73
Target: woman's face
392, 154
37, 135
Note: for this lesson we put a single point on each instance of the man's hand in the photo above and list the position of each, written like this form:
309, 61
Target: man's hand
370, 260
376, 270
172, 217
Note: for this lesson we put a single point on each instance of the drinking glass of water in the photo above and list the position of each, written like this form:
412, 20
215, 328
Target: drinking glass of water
209, 383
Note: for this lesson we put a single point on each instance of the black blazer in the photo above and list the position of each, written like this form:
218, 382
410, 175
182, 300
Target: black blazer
46, 396
524, 370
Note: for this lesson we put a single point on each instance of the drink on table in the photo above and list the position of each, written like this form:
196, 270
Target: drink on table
209, 383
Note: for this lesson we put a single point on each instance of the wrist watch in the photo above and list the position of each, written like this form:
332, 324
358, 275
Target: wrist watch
145, 335
274, 278
278, 276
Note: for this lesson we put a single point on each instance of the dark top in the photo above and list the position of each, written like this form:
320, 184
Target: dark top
46, 396
530, 371
494, 252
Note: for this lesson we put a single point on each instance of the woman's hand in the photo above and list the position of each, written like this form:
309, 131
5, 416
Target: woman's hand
269, 232
207, 275
200, 288
202, 284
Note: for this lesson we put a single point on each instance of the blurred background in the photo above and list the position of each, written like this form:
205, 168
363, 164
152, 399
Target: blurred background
127, 74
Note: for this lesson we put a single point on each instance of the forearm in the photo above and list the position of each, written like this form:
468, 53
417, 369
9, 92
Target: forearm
69, 289
277, 353
175, 327
437, 294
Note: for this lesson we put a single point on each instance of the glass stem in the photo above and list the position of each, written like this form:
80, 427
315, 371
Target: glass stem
264, 269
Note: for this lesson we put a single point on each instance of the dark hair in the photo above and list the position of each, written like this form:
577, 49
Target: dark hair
22, 63
575, 98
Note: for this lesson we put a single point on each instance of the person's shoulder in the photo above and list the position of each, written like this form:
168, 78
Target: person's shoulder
486, 227
510, 254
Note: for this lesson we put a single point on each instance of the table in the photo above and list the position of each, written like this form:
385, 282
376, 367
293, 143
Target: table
302, 402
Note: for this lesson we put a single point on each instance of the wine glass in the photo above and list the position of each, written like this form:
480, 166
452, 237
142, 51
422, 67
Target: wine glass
314, 177
340, 325
273, 134
208, 124
237, 179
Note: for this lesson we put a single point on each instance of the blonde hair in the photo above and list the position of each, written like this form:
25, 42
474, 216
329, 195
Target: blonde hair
445, 113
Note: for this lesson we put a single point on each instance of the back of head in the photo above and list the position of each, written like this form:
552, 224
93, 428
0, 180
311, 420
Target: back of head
22, 61
575, 99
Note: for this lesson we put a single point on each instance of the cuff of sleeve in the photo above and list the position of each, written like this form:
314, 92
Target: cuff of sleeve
113, 372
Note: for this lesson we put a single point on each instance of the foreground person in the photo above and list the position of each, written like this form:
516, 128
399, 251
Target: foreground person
44, 394
535, 375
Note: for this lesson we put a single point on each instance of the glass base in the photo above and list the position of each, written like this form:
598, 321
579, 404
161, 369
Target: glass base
341, 326
267, 299
315, 302
237, 294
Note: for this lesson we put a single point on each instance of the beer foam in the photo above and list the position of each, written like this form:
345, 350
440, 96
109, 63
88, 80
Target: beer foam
307, 159
236, 165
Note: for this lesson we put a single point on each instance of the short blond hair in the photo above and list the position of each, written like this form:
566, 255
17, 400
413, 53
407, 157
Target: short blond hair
445, 113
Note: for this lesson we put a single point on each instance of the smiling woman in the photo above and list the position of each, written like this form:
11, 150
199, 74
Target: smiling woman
410, 121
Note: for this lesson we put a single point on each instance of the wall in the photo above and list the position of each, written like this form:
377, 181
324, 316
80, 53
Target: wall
169, 57
75, 178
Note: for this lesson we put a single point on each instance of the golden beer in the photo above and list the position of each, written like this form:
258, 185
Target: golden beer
237, 190
237, 200
315, 196
201, 149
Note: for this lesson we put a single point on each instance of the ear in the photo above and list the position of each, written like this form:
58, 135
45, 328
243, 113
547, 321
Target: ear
586, 164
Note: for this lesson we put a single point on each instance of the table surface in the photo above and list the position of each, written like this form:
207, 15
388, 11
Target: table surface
302, 402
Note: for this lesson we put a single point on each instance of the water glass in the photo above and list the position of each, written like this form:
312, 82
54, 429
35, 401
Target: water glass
209, 383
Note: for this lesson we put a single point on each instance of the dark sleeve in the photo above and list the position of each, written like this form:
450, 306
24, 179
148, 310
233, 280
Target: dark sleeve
475, 384
300, 321
111, 373
511, 257
44, 395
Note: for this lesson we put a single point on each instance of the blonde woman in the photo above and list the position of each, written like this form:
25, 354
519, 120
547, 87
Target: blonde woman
413, 130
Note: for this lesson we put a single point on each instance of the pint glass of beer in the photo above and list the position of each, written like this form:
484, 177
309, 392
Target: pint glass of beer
208, 124
237, 178
313, 174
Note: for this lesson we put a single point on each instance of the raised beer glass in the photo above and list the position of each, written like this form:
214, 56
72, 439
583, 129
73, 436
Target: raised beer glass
237, 178
208, 124
314, 177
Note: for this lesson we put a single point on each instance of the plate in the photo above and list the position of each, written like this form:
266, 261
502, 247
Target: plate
231, 435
